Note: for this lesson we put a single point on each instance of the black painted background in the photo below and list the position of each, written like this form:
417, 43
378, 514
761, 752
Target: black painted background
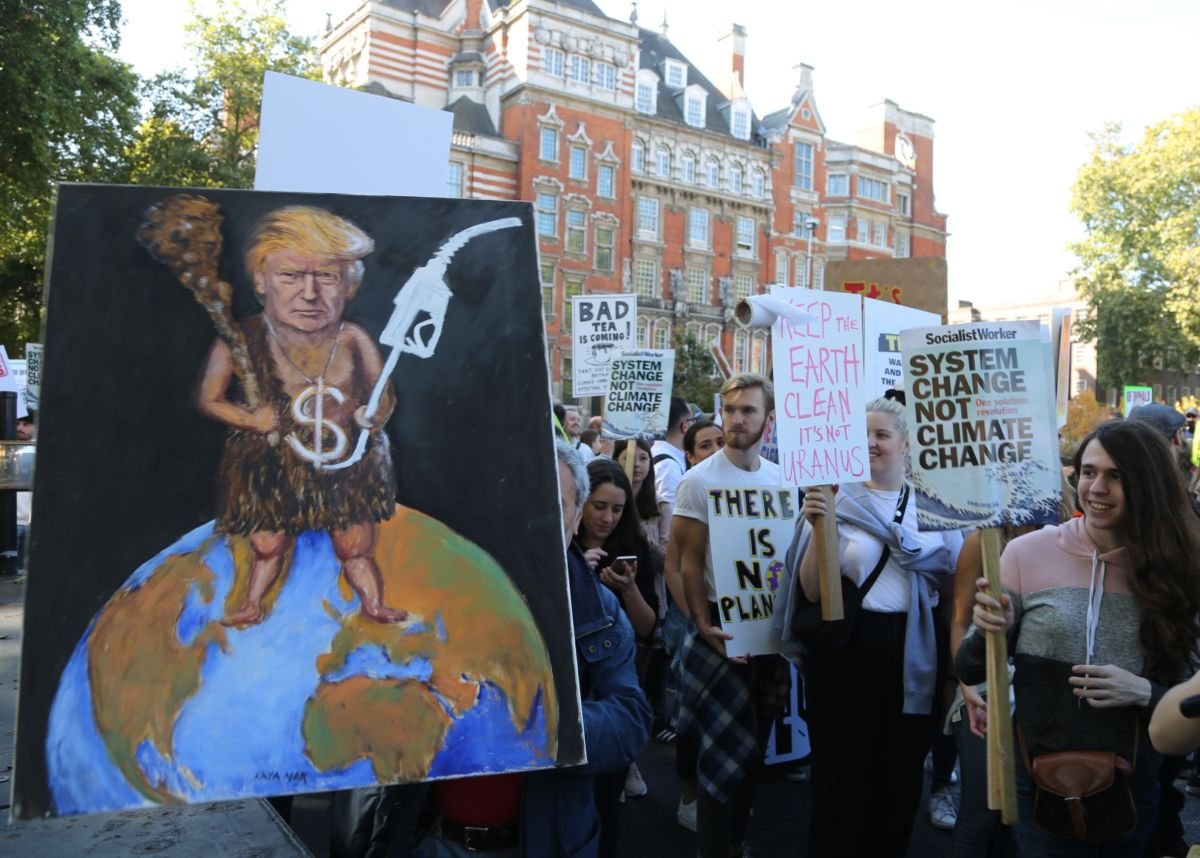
126, 464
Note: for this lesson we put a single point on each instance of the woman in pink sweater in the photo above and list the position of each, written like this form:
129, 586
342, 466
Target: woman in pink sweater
1101, 614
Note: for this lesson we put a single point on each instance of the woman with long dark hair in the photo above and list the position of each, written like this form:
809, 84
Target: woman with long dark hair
1102, 614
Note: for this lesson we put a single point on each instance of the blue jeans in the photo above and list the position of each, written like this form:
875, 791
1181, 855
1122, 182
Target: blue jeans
1032, 843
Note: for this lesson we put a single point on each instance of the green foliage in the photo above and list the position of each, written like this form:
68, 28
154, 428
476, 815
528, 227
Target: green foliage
695, 375
66, 108
1139, 264
202, 130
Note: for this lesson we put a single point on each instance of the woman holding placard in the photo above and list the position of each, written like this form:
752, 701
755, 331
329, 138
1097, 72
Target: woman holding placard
1101, 614
871, 695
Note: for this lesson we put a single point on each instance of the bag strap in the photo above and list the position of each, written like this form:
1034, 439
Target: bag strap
901, 507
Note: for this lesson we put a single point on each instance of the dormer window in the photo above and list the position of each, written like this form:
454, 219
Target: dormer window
464, 77
740, 123
675, 73
694, 106
580, 69
646, 95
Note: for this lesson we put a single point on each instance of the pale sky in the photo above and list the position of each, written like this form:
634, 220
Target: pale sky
1014, 89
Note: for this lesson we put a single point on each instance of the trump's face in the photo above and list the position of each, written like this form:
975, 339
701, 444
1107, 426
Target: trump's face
301, 291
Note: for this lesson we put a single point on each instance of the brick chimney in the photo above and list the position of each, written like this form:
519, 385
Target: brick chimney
737, 37
474, 20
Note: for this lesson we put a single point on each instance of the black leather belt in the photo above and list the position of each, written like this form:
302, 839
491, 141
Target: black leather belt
481, 839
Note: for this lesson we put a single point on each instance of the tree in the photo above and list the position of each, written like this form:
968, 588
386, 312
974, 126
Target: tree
1084, 414
1139, 263
66, 109
203, 129
695, 375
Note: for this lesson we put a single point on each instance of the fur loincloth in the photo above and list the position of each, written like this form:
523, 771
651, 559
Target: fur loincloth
269, 488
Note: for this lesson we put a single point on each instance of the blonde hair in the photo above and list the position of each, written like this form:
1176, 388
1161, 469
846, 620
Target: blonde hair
313, 231
892, 408
744, 380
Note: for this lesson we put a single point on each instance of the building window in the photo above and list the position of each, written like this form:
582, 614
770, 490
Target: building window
662, 334
837, 185
547, 273
862, 230
902, 246
800, 225
741, 124
580, 69
645, 97
553, 62
604, 248
879, 234
548, 145
743, 287
741, 342
758, 185
566, 379
804, 166
547, 214
714, 173
578, 165
576, 231
745, 236
643, 333
698, 227
695, 111
464, 77
606, 181
647, 217
902, 203
454, 179
571, 288
687, 167
662, 162
873, 189
782, 268
735, 178
637, 156
836, 229
712, 336
697, 286
645, 277
758, 353
819, 276
676, 75
606, 76
802, 272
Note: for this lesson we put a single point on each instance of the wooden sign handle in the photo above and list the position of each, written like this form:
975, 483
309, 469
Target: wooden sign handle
825, 541
1001, 773
629, 457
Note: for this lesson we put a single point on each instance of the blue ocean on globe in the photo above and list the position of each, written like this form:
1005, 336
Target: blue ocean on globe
240, 734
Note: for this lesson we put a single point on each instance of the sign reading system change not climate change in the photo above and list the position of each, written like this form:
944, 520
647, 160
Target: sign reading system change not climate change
981, 414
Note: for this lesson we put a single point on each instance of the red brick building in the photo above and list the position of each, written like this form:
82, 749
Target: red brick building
646, 176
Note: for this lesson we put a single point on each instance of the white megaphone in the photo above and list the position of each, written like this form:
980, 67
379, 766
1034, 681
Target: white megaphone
761, 311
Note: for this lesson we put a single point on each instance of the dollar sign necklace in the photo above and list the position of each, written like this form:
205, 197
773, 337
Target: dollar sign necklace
316, 390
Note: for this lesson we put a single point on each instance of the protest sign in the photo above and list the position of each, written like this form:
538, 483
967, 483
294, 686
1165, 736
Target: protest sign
820, 395
20, 373
397, 148
882, 324
9, 381
1060, 346
981, 425
1136, 395
33, 374
638, 403
788, 740
154, 672
602, 326
749, 531
918, 282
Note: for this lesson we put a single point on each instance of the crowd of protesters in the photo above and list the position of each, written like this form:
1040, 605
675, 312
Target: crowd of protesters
1101, 611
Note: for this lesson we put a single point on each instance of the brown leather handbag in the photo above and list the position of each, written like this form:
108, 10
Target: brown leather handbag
1083, 795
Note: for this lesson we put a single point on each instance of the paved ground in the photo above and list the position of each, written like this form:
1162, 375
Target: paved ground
779, 826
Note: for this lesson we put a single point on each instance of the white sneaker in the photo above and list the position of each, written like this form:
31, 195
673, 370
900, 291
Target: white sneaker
685, 814
943, 808
634, 784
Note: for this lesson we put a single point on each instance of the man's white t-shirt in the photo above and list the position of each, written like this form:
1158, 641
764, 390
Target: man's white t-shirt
691, 498
585, 452
667, 472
